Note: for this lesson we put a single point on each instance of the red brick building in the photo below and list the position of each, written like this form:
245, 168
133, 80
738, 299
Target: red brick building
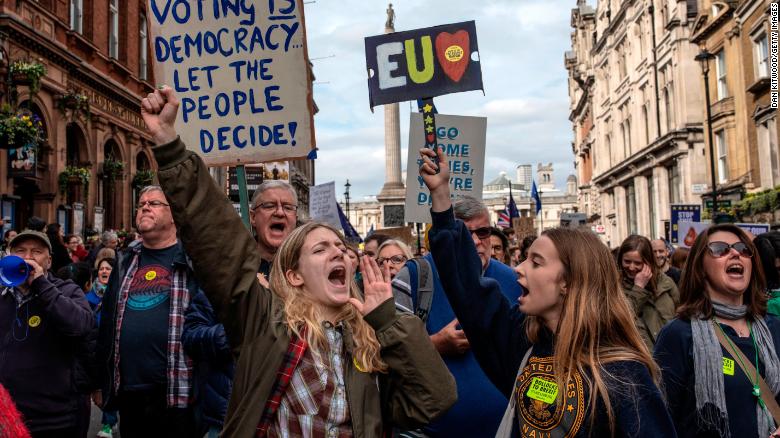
95, 50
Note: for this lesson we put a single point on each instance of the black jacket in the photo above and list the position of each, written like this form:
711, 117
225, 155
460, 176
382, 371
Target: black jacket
206, 343
38, 351
107, 331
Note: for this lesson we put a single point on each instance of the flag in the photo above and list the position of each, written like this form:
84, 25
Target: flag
503, 219
511, 208
370, 230
535, 196
350, 234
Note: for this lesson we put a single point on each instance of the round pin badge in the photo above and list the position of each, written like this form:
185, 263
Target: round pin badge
34, 321
151, 275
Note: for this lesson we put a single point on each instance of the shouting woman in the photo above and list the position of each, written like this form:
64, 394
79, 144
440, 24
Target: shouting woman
314, 358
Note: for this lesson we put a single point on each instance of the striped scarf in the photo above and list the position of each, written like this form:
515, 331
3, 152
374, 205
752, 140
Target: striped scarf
179, 367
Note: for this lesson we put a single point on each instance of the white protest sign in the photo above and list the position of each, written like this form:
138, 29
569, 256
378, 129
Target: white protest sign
322, 204
463, 140
688, 231
240, 71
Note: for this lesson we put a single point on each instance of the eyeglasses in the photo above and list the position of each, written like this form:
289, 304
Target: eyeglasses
720, 249
153, 204
396, 260
270, 207
482, 233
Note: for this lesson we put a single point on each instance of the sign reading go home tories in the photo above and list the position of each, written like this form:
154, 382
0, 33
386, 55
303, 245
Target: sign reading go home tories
423, 63
463, 140
240, 72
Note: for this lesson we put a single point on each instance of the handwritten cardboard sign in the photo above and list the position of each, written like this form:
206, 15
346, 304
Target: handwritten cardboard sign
420, 63
463, 141
322, 204
240, 70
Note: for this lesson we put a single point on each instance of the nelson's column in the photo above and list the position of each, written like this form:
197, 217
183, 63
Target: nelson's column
393, 193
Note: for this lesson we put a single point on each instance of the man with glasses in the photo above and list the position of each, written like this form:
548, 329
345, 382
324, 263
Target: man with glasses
144, 370
274, 215
480, 405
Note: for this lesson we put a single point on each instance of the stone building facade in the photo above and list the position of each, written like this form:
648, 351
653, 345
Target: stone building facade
737, 34
636, 109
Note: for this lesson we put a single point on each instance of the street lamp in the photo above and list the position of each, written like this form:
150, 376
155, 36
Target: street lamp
704, 60
346, 196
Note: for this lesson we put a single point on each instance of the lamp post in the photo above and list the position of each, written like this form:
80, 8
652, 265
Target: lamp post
346, 196
704, 60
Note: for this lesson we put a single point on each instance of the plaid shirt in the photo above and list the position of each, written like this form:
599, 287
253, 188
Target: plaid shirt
179, 368
315, 403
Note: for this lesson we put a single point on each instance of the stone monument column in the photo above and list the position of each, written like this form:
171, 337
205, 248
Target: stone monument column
394, 186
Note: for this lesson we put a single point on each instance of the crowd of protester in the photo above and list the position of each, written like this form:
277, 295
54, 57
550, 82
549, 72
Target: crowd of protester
198, 327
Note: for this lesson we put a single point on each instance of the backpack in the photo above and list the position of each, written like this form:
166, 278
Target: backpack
424, 275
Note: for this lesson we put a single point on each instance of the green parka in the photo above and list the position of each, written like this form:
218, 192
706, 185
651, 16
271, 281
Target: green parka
417, 388
653, 311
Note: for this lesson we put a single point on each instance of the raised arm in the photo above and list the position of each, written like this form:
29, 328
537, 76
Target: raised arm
223, 252
495, 329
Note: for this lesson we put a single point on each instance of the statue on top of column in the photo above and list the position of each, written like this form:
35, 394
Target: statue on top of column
390, 17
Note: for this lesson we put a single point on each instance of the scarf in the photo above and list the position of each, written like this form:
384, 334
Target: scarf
708, 370
99, 288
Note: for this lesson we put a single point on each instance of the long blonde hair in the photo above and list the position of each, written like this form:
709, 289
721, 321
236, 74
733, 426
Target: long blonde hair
300, 312
596, 325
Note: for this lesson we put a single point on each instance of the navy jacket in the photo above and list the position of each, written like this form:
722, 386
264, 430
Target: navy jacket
206, 344
39, 345
497, 336
108, 316
674, 354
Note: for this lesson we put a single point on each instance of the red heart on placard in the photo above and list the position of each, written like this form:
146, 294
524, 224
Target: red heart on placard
452, 51
429, 138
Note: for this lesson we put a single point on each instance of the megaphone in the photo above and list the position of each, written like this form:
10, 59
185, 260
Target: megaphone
13, 271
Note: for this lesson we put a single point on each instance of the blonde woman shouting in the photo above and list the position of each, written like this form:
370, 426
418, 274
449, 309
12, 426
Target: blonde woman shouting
314, 358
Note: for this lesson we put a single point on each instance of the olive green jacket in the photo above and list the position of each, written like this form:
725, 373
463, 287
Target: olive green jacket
653, 311
417, 388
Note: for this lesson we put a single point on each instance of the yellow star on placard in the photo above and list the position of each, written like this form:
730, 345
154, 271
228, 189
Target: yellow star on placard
429, 129
428, 120
427, 108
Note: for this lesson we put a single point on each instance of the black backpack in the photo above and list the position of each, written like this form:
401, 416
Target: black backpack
424, 288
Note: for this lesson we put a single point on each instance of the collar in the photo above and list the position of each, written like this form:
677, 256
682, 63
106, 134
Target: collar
20, 298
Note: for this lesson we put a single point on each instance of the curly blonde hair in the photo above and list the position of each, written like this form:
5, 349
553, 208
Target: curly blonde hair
300, 312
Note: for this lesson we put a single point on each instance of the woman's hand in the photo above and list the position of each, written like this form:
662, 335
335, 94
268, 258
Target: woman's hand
643, 277
376, 286
159, 110
437, 183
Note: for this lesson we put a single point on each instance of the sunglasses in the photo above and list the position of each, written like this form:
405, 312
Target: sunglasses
482, 233
720, 249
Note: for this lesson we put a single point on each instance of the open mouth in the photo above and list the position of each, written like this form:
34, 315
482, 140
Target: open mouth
735, 269
277, 227
338, 276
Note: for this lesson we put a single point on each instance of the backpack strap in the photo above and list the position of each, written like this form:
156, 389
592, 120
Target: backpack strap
424, 288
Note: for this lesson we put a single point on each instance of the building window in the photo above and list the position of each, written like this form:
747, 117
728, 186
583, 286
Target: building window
720, 73
646, 122
768, 153
143, 48
722, 150
674, 183
76, 15
669, 94
113, 31
761, 54
631, 207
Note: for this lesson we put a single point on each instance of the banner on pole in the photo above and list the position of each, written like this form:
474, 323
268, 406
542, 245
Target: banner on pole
683, 213
322, 204
420, 63
241, 74
463, 140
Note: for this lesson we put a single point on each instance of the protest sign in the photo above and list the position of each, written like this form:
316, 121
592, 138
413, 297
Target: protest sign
240, 71
754, 229
322, 204
683, 213
689, 230
422, 63
255, 175
463, 140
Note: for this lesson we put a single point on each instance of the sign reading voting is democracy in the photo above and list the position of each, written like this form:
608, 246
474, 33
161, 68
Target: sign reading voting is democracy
240, 72
425, 62
463, 140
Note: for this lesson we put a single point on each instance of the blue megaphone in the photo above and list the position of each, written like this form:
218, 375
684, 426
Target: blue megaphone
13, 271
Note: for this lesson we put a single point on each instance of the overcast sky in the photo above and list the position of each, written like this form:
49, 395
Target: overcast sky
521, 44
